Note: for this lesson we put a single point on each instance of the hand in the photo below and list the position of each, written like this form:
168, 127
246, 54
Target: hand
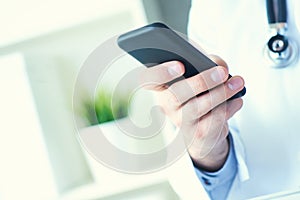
198, 106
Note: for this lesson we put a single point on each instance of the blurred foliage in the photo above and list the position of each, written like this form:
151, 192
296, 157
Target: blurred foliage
105, 107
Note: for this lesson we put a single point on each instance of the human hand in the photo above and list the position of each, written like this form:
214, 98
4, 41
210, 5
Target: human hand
199, 107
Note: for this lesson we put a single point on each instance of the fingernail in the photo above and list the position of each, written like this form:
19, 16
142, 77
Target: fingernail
174, 70
235, 83
218, 74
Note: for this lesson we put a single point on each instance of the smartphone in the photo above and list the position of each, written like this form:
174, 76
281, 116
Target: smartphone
156, 43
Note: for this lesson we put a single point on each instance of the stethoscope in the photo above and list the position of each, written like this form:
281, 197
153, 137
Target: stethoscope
281, 50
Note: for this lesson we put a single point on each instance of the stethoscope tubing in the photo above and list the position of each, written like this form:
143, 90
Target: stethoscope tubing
276, 17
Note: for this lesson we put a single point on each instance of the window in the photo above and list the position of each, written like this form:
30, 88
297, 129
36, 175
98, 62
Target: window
25, 170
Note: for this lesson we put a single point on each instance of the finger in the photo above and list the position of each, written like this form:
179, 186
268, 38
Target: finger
218, 60
217, 120
201, 105
223, 112
155, 78
189, 88
216, 128
233, 106
210, 129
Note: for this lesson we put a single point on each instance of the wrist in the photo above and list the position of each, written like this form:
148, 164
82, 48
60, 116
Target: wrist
215, 159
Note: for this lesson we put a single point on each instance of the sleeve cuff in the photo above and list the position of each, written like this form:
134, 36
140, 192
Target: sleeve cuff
210, 180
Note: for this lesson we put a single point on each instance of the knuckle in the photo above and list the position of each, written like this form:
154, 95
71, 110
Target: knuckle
200, 134
219, 115
196, 108
216, 96
199, 84
173, 102
193, 109
223, 91
225, 131
206, 104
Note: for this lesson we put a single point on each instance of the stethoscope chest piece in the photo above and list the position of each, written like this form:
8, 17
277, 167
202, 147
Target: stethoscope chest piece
281, 51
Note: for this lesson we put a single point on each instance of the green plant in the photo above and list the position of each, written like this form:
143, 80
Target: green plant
105, 107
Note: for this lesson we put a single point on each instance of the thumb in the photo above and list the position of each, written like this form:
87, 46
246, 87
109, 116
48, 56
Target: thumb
218, 60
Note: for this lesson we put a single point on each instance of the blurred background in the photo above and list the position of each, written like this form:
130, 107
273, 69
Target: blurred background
42, 47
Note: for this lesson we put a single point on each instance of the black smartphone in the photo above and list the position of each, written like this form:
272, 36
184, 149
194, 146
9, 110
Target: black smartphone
156, 43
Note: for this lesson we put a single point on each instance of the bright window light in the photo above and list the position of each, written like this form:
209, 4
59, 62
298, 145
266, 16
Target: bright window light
24, 170
21, 20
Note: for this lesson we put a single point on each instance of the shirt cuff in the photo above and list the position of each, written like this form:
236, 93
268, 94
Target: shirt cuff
211, 180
